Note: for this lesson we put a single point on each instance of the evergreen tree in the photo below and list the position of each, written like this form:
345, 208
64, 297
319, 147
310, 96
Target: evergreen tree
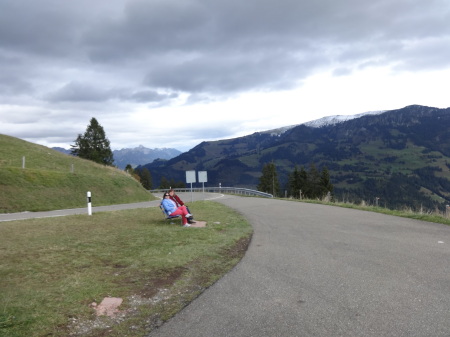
303, 179
325, 182
146, 178
310, 185
294, 183
297, 182
129, 169
93, 145
268, 182
165, 184
314, 189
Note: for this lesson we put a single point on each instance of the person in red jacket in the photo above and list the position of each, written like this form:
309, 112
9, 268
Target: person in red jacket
176, 199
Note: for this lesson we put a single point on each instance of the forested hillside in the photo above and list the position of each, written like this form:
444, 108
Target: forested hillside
401, 157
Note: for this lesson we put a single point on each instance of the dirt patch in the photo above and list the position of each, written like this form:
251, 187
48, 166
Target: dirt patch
108, 307
199, 224
239, 249
163, 280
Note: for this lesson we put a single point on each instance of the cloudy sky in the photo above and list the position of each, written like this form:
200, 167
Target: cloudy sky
172, 73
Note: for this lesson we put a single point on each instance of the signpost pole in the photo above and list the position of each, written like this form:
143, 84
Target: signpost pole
190, 178
203, 178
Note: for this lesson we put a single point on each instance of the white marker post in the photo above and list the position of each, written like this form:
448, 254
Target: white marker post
190, 178
203, 178
89, 203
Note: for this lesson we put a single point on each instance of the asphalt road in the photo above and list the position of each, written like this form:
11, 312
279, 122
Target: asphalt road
315, 270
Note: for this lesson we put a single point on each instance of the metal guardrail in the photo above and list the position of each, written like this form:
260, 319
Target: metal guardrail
224, 190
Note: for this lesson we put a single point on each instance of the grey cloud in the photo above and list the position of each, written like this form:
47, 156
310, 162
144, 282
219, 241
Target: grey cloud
46, 27
12, 85
233, 73
430, 54
149, 96
79, 92
218, 47
227, 46
84, 92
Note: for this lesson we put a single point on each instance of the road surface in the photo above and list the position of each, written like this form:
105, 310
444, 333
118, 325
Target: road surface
316, 270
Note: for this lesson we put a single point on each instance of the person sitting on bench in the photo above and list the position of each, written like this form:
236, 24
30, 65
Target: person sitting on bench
178, 202
171, 209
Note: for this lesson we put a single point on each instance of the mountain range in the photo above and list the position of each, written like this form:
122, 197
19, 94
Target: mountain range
398, 157
141, 155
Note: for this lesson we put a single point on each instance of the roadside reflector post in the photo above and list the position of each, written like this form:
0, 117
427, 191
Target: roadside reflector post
89, 203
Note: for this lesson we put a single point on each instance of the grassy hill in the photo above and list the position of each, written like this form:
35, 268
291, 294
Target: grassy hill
47, 180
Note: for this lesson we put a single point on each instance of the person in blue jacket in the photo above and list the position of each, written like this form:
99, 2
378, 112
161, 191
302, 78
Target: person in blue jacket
171, 209
176, 199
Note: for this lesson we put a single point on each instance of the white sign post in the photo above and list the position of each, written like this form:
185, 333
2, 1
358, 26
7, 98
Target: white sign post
89, 203
190, 178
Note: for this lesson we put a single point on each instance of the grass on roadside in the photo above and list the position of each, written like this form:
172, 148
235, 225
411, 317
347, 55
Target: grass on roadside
49, 180
436, 216
54, 268
39, 190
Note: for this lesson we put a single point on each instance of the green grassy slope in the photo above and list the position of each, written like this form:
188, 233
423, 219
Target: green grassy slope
52, 180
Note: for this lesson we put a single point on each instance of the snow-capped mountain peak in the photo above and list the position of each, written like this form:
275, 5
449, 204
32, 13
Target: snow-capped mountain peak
328, 120
335, 119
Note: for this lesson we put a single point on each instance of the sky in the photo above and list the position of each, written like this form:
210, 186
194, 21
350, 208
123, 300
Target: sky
174, 73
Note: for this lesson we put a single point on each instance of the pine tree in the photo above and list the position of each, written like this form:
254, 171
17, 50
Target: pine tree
303, 182
146, 178
268, 182
325, 182
93, 145
129, 169
294, 183
297, 182
164, 184
314, 190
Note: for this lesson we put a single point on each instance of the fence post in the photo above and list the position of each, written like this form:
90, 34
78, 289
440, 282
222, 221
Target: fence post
447, 211
23, 162
89, 203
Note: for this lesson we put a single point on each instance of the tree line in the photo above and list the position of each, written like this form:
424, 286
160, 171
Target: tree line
302, 183
144, 176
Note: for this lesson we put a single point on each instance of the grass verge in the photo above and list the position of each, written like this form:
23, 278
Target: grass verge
40, 190
435, 216
54, 268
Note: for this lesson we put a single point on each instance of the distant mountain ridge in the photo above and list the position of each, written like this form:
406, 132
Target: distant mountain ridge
401, 157
324, 121
335, 119
136, 156
141, 155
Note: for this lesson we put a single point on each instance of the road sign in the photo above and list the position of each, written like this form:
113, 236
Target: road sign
202, 176
190, 177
